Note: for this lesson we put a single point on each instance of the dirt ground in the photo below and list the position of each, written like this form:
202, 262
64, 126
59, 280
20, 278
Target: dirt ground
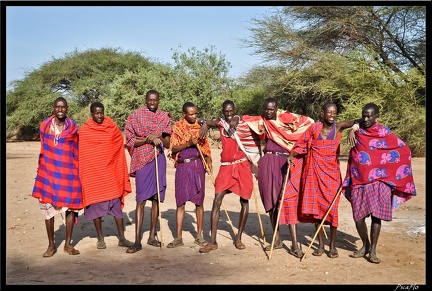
401, 246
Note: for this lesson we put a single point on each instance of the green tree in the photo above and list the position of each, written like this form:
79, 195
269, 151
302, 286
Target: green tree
80, 77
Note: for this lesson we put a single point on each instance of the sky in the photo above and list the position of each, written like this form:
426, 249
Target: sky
37, 34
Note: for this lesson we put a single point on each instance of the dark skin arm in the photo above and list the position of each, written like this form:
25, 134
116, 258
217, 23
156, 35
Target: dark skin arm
154, 139
193, 141
340, 126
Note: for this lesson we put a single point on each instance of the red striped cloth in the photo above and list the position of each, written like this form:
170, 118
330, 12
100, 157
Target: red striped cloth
102, 162
57, 181
285, 130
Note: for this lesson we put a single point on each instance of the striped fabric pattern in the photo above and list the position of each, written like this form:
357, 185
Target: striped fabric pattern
102, 162
285, 130
248, 141
57, 180
321, 177
139, 124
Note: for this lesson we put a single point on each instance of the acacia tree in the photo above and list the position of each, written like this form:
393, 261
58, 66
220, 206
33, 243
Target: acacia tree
295, 35
80, 77
347, 54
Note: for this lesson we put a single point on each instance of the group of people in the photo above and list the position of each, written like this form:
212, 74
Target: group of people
294, 159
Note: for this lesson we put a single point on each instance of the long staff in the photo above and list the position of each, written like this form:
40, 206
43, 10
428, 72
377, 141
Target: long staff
280, 208
259, 216
322, 223
213, 181
159, 208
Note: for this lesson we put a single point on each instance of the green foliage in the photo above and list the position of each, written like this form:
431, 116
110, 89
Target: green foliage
349, 55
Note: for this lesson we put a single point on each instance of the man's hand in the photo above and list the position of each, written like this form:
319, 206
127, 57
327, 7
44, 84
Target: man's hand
203, 130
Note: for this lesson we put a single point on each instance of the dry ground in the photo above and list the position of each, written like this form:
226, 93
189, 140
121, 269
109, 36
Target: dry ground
402, 244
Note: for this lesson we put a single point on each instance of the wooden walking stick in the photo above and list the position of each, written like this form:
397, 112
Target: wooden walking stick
280, 208
322, 223
213, 181
259, 216
157, 186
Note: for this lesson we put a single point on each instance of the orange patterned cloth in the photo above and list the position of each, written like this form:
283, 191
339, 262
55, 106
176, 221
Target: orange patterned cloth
182, 132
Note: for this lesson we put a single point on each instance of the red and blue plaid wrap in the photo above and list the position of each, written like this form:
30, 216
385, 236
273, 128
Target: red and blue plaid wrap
57, 180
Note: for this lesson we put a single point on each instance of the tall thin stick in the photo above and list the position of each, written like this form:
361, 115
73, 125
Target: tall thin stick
322, 223
259, 216
157, 186
280, 208
213, 181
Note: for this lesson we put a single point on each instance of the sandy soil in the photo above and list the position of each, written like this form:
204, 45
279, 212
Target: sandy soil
402, 244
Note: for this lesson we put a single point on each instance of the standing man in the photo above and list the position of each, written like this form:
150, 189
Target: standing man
281, 130
235, 174
186, 149
103, 171
321, 178
146, 128
378, 179
57, 186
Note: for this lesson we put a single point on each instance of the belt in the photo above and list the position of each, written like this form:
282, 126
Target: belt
187, 160
277, 153
232, 163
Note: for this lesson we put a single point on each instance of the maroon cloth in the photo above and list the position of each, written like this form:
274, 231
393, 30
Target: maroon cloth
271, 179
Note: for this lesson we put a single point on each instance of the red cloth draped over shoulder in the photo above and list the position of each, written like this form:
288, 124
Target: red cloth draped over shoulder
379, 155
285, 130
102, 162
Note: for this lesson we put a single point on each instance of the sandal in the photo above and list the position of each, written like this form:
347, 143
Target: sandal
359, 254
333, 254
275, 247
374, 259
101, 244
72, 252
208, 248
296, 253
154, 242
134, 248
48, 254
125, 243
239, 245
200, 241
318, 252
178, 242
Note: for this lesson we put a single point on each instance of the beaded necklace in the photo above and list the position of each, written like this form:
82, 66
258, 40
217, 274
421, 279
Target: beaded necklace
57, 131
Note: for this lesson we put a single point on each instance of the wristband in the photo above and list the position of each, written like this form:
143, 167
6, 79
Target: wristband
355, 127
